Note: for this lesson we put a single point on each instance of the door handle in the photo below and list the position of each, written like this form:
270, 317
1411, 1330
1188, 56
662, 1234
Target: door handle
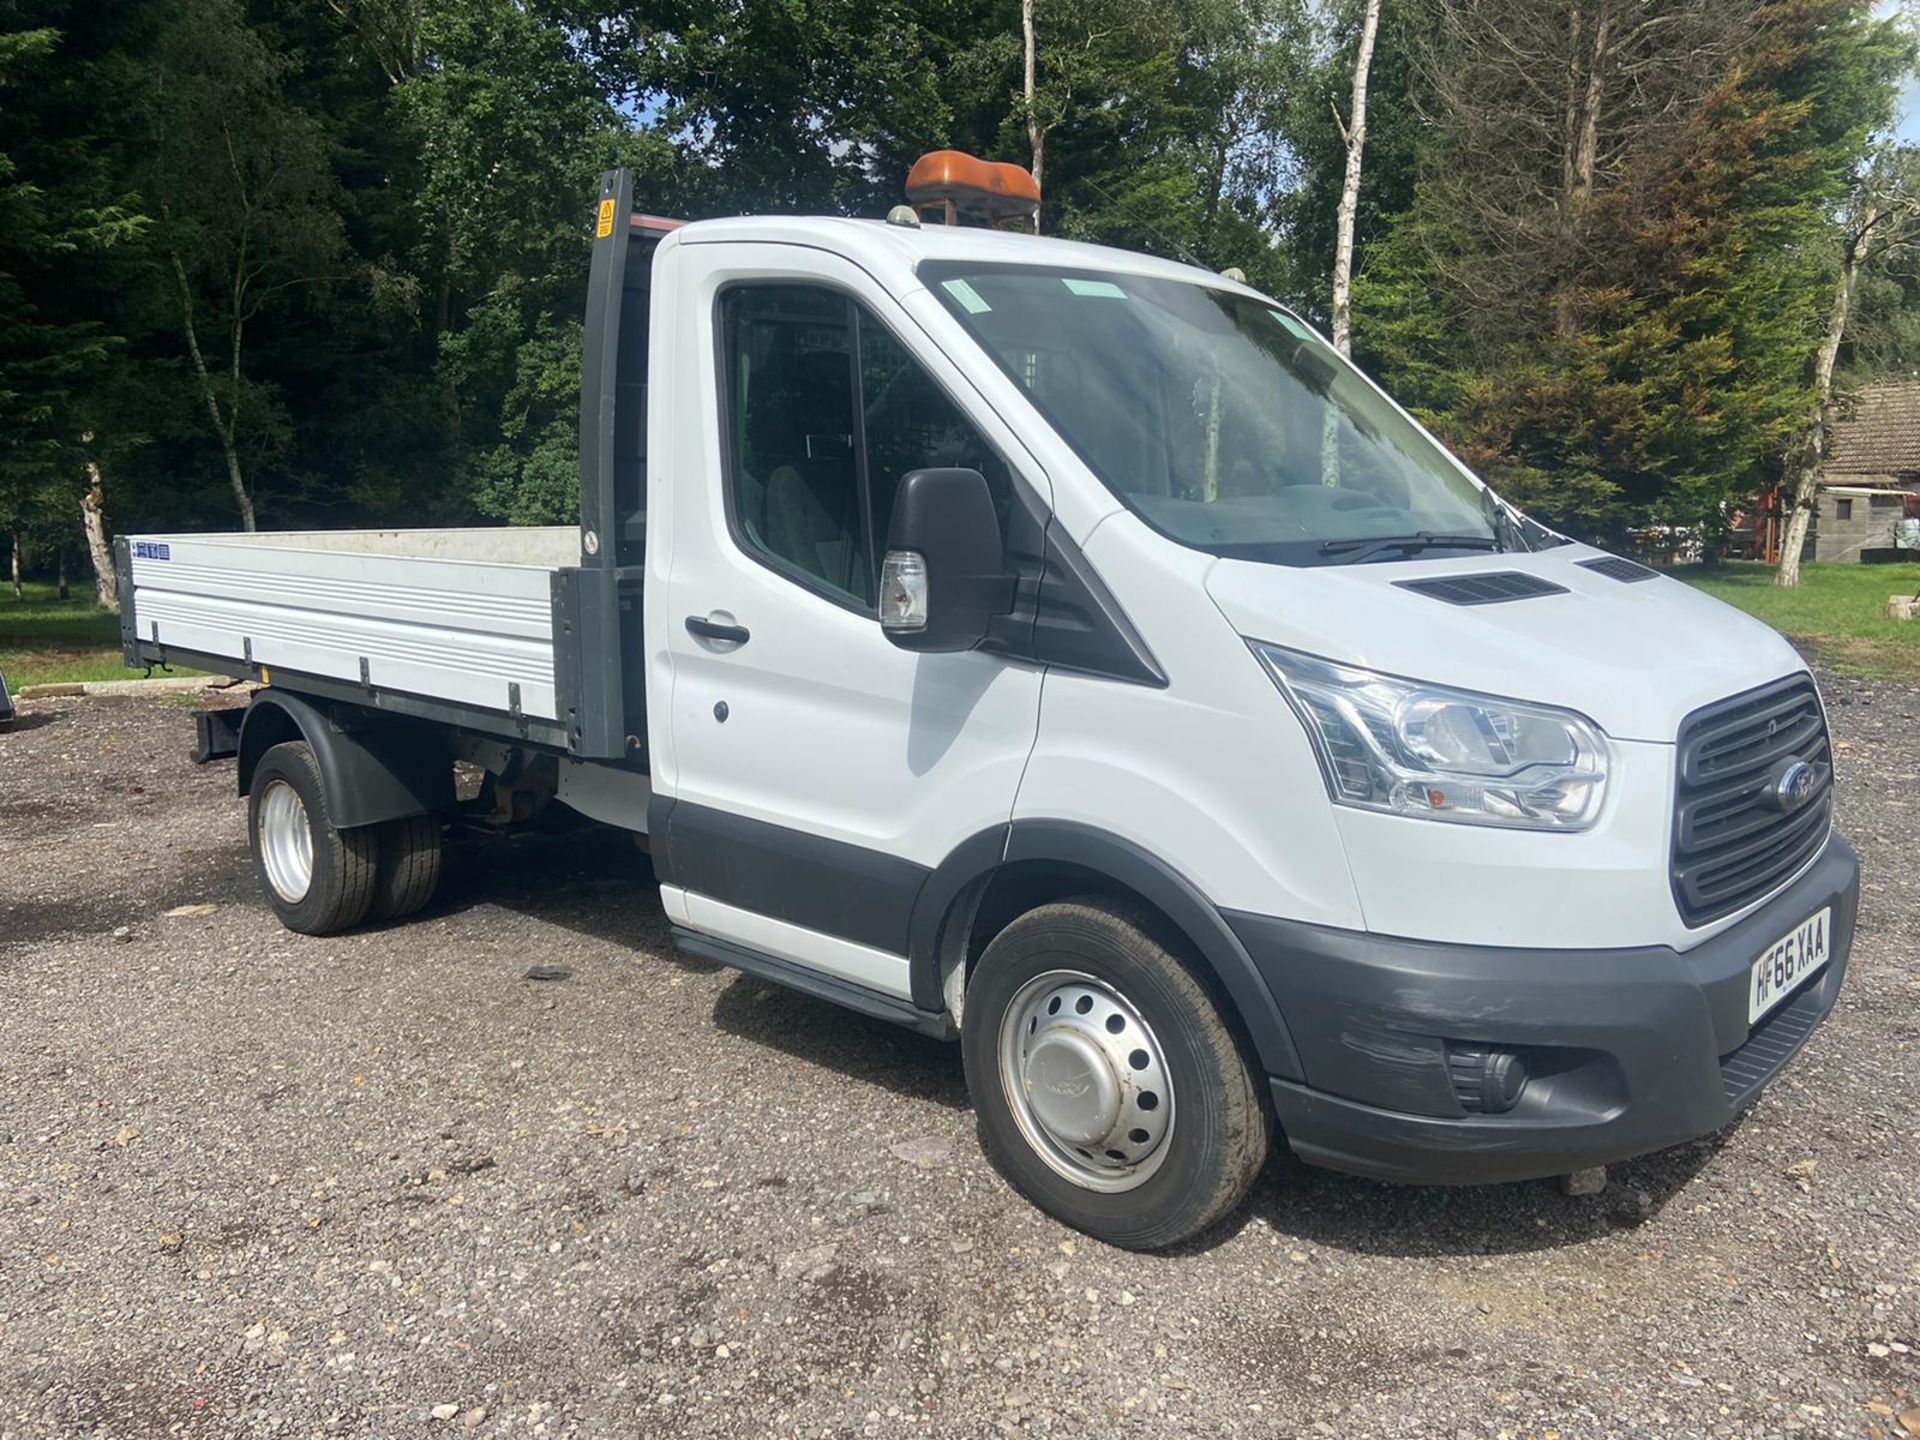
714, 630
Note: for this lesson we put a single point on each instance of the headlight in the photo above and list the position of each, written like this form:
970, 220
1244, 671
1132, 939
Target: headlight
1413, 749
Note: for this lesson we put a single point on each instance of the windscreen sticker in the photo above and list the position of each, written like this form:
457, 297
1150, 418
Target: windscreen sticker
1292, 326
968, 297
1105, 289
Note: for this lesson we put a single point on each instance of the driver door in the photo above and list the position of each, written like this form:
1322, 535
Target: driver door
815, 774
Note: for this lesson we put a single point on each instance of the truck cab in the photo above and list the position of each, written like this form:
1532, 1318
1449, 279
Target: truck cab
1067, 651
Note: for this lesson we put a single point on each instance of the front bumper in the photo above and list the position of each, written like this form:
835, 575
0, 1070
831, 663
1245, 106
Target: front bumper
1630, 1050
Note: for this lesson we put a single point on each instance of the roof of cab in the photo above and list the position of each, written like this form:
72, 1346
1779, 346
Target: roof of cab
879, 247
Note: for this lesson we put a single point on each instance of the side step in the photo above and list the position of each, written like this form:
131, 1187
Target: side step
936, 1023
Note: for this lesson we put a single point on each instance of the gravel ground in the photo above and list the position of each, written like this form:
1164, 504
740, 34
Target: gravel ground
258, 1185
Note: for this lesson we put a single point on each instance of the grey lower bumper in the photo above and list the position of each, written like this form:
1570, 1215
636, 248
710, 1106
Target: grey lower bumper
1629, 1050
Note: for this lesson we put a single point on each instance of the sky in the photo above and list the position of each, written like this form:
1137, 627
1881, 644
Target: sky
1906, 127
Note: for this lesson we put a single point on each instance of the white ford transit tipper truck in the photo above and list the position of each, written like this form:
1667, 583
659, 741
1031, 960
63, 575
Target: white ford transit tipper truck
1066, 650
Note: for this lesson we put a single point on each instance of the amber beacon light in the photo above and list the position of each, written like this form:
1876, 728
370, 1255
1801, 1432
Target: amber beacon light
948, 186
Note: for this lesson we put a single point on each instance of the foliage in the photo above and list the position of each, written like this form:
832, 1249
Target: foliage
65, 219
379, 209
1620, 325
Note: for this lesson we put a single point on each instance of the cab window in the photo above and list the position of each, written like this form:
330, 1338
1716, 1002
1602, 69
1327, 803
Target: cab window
824, 412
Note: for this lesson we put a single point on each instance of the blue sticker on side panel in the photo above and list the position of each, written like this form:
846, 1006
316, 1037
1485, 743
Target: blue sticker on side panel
152, 550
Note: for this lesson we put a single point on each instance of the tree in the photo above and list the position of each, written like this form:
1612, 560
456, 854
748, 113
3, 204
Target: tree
1354, 131
71, 85
250, 217
1882, 224
1604, 293
513, 125
1320, 62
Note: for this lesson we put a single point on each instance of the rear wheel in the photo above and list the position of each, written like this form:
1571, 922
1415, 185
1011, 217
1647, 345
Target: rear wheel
318, 879
1109, 1087
409, 866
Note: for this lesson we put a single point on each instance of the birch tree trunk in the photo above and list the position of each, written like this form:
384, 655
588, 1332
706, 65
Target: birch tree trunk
1579, 156
19, 590
93, 520
1812, 449
226, 424
1036, 132
1356, 133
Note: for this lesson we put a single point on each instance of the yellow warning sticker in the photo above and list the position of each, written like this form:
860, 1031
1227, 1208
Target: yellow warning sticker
605, 227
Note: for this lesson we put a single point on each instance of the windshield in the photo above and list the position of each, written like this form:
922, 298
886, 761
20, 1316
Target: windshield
1220, 419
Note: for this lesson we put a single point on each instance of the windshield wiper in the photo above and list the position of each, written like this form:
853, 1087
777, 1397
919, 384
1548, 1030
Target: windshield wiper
1365, 547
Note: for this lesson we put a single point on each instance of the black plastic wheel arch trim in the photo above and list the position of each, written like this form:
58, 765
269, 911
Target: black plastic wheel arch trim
388, 771
1123, 863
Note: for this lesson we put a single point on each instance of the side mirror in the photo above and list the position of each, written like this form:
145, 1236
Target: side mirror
945, 576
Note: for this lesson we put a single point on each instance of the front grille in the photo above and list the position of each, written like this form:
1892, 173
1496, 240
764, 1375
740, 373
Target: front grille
1732, 844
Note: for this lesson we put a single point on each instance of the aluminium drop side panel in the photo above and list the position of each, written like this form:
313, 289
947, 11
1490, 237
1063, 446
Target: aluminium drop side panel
474, 632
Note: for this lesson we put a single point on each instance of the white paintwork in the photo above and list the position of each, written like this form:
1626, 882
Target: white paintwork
1635, 659
455, 615
1213, 774
830, 729
611, 794
1600, 888
861, 964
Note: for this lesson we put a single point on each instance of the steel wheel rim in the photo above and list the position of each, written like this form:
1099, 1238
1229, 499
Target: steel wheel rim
286, 842
1071, 1048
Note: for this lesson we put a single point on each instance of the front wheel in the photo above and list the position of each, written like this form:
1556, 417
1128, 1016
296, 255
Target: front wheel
1109, 1088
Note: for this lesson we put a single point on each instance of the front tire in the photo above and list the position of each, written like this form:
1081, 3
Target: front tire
1110, 1089
318, 879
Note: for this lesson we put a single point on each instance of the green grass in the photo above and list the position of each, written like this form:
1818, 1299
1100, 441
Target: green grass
45, 640
1836, 614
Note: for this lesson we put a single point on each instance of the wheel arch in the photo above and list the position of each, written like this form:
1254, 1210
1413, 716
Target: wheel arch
998, 875
387, 771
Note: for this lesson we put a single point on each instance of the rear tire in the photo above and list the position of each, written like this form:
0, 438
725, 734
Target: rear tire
318, 879
1078, 1020
409, 866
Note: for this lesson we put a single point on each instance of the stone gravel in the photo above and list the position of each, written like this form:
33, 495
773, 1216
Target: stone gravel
253, 1184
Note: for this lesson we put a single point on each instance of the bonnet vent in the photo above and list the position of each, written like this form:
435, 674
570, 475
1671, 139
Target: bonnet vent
1615, 568
1491, 588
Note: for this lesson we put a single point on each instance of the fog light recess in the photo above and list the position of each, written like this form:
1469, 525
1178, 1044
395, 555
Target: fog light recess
1486, 1079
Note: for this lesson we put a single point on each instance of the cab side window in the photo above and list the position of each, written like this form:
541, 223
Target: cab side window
794, 479
825, 411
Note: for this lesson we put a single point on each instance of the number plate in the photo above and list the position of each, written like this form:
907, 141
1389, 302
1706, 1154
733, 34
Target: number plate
1787, 962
